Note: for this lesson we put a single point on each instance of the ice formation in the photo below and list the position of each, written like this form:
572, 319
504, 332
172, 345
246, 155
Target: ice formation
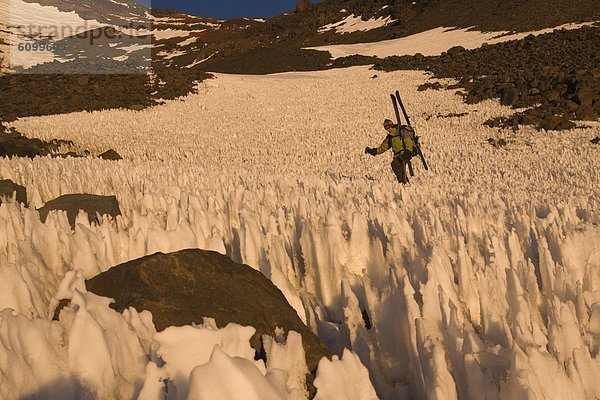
479, 280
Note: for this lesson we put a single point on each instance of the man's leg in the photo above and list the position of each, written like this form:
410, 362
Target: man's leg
399, 168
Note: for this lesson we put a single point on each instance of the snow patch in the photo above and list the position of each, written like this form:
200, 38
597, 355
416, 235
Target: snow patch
120, 3
163, 34
200, 61
187, 41
356, 24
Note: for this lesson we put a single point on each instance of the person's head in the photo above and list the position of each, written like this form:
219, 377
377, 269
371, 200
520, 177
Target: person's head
388, 124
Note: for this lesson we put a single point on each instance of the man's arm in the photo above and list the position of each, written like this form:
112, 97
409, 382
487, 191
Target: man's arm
384, 146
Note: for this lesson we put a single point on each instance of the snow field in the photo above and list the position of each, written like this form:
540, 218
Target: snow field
305, 124
480, 279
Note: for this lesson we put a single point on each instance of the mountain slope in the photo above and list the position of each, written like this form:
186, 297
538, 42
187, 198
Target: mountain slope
181, 49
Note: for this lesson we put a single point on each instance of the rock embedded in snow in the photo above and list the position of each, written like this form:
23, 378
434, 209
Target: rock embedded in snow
110, 155
183, 287
8, 188
93, 205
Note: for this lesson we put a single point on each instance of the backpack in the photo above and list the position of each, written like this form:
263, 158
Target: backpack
408, 131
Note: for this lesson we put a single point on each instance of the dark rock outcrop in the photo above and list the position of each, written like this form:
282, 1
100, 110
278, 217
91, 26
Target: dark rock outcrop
14, 144
92, 204
183, 287
54, 91
8, 188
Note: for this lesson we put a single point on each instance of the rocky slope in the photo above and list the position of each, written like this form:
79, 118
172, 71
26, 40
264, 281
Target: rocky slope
555, 76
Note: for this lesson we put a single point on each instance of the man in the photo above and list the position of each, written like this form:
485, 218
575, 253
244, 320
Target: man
400, 141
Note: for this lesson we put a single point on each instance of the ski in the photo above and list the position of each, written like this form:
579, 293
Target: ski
399, 124
398, 100
395, 103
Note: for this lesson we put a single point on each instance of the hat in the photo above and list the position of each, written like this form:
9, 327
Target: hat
387, 123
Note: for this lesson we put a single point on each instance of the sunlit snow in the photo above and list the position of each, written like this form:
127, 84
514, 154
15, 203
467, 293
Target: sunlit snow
354, 23
480, 279
162, 34
187, 41
433, 42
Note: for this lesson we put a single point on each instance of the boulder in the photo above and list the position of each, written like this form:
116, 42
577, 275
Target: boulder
92, 204
8, 187
551, 122
110, 155
565, 124
183, 287
455, 50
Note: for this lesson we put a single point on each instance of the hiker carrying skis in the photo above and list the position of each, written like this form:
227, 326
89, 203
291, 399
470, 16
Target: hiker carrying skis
400, 141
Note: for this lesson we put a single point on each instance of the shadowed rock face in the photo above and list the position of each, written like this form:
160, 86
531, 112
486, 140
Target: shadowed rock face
14, 144
90, 203
8, 187
182, 288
